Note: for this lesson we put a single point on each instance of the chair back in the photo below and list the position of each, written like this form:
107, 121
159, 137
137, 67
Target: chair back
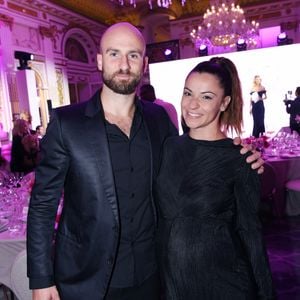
268, 182
18, 277
268, 191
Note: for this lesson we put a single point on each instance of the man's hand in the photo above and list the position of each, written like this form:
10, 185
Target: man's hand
254, 159
49, 293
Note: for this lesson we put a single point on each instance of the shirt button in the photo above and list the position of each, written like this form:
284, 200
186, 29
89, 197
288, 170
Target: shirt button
131, 169
132, 195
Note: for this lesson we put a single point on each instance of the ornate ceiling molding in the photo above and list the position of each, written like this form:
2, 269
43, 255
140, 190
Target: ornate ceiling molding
7, 20
109, 12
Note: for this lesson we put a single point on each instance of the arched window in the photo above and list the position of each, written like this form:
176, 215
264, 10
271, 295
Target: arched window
75, 51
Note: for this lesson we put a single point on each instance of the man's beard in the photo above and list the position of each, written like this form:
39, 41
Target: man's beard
123, 87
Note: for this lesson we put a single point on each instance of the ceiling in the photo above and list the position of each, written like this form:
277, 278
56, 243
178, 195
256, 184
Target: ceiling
110, 11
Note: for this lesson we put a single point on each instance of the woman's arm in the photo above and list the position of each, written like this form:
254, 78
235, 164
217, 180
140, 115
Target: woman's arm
248, 227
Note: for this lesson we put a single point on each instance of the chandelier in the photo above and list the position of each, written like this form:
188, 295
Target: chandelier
223, 26
160, 3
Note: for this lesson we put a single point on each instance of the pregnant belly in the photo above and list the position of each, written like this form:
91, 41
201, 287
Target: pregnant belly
205, 242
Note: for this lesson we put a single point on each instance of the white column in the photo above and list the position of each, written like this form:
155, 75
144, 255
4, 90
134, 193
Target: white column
6, 67
27, 93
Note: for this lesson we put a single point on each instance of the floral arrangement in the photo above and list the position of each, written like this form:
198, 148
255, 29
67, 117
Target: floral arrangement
260, 143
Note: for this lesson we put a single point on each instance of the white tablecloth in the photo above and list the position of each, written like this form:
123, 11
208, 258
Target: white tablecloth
10, 246
286, 168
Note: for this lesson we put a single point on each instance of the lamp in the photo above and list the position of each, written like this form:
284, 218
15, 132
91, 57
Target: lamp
222, 26
282, 39
168, 54
23, 58
203, 50
160, 3
241, 45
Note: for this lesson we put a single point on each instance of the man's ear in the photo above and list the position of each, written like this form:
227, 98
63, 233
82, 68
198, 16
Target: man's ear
146, 61
99, 61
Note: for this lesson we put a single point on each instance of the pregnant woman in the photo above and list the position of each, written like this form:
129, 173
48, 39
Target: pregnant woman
210, 240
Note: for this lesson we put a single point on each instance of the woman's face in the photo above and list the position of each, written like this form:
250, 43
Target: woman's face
257, 80
203, 101
24, 127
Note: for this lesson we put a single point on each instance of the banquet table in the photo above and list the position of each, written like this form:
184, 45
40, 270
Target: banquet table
11, 244
286, 168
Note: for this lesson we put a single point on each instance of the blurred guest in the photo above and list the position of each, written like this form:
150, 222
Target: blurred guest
293, 108
31, 155
40, 132
19, 130
25, 115
4, 164
147, 92
3, 135
258, 95
23, 147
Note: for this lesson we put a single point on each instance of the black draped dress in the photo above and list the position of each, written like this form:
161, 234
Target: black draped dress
210, 241
258, 113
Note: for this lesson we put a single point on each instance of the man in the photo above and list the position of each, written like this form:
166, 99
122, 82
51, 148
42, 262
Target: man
147, 92
104, 153
40, 132
293, 108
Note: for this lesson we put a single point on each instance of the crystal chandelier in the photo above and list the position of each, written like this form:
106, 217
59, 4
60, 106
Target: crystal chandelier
223, 26
160, 3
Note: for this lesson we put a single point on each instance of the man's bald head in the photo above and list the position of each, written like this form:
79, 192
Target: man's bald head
122, 30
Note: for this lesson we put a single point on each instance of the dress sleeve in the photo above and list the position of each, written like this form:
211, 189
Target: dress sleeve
247, 193
44, 202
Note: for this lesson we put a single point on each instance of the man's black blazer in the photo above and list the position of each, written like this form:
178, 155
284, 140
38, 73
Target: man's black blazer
76, 160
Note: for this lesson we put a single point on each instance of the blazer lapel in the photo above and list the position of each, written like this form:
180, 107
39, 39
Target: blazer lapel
96, 135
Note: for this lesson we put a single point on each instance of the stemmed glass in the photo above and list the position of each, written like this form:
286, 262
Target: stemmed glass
15, 200
274, 146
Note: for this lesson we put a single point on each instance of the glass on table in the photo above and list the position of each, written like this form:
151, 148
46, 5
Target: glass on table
15, 221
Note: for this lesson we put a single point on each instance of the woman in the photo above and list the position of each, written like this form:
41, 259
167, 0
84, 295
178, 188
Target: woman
258, 95
210, 241
19, 131
24, 150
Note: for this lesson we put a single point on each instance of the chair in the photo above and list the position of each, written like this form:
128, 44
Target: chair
292, 197
6, 292
18, 277
268, 189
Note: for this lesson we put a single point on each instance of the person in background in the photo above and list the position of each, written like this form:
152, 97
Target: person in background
293, 108
25, 148
31, 157
210, 241
147, 92
25, 115
103, 154
40, 132
4, 164
257, 96
19, 131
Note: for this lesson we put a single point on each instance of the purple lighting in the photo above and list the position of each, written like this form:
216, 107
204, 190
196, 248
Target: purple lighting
168, 52
202, 51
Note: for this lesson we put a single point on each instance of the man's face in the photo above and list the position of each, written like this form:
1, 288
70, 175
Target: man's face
122, 60
41, 130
